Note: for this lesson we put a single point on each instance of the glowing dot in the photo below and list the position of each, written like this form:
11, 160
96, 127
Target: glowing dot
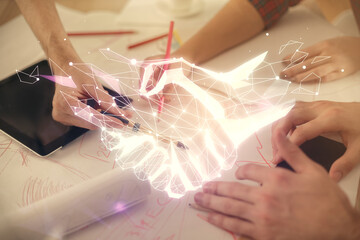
172, 126
37, 79
103, 128
70, 77
97, 87
297, 50
133, 61
154, 114
184, 110
304, 67
277, 77
267, 34
99, 101
108, 49
149, 131
193, 65
317, 93
102, 138
91, 114
64, 39
71, 63
113, 98
342, 70
75, 113
122, 115
181, 58
157, 134
113, 104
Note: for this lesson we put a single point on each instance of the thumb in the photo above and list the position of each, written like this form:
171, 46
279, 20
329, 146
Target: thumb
343, 165
291, 153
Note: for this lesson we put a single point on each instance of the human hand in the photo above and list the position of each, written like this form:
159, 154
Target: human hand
344, 53
308, 120
86, 87
157, 71
305, 204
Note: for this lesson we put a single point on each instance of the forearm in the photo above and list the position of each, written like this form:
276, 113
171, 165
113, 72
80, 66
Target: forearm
237, 22
45, 22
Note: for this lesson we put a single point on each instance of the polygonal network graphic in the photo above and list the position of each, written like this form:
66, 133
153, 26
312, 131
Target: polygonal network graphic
194, 135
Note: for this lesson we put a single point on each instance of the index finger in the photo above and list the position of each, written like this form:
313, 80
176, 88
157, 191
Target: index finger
292, 153
105, 101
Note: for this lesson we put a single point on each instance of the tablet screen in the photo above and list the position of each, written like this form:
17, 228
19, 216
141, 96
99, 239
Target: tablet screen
25, 110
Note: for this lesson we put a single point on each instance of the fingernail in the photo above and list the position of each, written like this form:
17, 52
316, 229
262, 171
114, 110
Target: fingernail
275, 159
336, 176
207, 188
198, 197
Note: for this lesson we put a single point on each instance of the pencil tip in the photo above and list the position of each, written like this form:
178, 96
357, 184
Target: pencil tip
181, 145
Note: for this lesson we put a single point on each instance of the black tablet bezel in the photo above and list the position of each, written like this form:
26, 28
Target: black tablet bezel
33, 143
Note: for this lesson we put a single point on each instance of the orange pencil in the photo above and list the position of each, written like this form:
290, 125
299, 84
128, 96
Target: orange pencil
147, 41
74, 34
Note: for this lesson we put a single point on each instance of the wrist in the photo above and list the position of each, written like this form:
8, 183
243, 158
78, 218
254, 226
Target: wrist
186, 54
61, 51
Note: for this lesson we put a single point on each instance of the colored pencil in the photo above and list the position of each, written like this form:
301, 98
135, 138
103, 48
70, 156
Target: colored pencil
136, 127
167, 56
77, 34
147, 41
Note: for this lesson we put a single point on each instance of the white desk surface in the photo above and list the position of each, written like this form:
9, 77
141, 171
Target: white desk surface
26, 178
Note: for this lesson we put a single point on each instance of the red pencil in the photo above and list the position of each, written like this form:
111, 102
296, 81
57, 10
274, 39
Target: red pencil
147, 41
167, 56
75, 34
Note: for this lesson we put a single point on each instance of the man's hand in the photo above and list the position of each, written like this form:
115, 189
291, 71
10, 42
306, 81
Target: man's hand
305, 204
86, 87
158, 70
308, 120
344, 53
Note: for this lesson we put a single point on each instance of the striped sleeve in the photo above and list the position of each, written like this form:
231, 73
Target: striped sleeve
272, 10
